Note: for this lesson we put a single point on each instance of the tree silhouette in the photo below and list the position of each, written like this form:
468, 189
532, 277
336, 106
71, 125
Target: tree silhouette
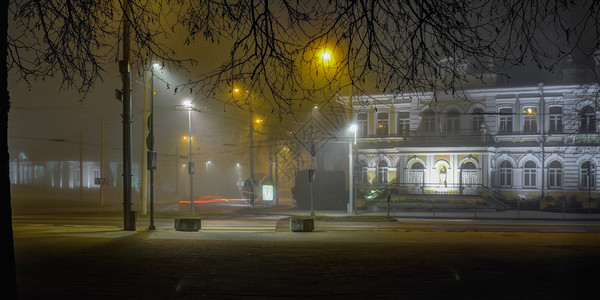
273, 46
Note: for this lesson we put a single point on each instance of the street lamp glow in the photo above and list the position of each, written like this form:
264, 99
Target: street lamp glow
326, 56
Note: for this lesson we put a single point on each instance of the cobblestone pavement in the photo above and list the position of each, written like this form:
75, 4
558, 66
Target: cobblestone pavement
105, 262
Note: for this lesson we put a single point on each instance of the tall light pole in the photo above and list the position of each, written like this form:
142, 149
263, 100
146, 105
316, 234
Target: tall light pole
351, 144
188, 106
251, 154
151, 155
190, 163
125, 96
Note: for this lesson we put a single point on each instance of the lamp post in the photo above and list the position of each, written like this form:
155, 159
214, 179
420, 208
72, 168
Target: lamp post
187, 106
251, 154
150, 143
190, 163
351, 144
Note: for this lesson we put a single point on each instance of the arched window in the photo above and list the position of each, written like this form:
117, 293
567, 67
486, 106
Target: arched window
506, 174
587, 120
555, 175
416, 177
530, 174
588, 175
468, 166
453, 122
382, 172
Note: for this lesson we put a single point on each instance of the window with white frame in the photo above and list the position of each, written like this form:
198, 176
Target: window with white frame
429, 122
382, 123
555, 175
555, 119
587, 120
477, 120
587, 179
530, 174
530, 120
362, 124
505, 121
364, 172
505, 172
453, 122
403, 123
382, 172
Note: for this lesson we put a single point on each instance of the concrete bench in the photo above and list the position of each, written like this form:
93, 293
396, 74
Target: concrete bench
187, 224
302, 225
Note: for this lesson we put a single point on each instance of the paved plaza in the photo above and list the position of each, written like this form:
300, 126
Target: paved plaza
105, 262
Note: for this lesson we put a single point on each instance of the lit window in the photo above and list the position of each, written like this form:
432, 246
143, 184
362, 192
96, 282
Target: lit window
382, 124
530, 120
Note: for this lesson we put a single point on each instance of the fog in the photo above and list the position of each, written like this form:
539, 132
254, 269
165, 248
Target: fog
55, 132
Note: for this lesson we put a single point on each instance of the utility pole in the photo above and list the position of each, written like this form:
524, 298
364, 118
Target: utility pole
252, 188
128, 214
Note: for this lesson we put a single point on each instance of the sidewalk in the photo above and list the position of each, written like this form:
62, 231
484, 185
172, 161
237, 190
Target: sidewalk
499, 215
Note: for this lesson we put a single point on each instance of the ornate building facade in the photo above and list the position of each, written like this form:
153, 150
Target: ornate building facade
525, 143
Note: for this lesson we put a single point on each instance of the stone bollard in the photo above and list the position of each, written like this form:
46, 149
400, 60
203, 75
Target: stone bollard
187, 224
302, 225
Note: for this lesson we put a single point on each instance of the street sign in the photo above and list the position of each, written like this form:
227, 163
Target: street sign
101, 181
152, 160
267, 192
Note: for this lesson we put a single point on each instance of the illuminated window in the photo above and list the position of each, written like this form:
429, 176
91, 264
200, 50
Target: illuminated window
529, 174
530, 120
555, 175
382, 124
506, 174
